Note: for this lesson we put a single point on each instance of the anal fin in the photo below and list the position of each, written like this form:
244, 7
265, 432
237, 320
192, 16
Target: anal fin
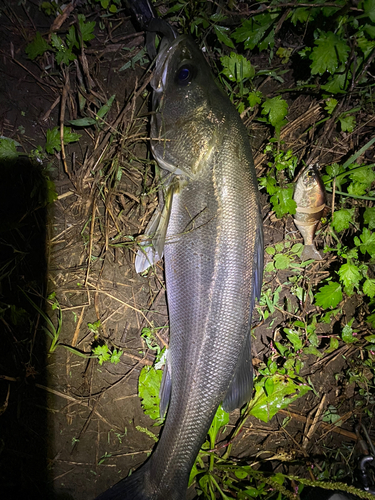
241, 387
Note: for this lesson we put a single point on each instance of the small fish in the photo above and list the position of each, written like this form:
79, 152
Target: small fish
310, 196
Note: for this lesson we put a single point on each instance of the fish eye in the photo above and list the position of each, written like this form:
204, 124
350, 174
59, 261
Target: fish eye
184, 75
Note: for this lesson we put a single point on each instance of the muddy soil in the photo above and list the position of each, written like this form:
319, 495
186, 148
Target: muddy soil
70, 428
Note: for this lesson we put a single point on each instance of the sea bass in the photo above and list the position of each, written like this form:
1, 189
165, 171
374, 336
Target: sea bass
210, 231
310, 196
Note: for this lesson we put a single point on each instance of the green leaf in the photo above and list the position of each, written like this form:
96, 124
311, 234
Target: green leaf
285, 392
333, 345
294, 338
367, 46
331, 104
86, 29
276, 109
368, 242
348, 334
236, 67
37, 47
257, 32
371, 319
357, 188
254, 98
82, 122
282, 261
148, 390
363, 174
350, 276
107, 106
53, 138
338, 82
369, 8
347, 123
8, 149
269, 183
269, 386
329, 295
283, 202
222, 34
369, 217
369, 288
330, 51
341, 219
220, 420
71, 38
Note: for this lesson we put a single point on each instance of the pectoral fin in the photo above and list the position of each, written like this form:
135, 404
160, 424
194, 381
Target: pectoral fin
241, 387
152, 247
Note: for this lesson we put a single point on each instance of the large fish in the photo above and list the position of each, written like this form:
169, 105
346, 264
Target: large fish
310, 196
210, 230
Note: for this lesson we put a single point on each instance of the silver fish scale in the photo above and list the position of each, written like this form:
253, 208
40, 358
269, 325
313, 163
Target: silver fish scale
209, 260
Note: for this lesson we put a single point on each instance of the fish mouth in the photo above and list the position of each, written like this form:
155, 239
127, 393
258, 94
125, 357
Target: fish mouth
167, 49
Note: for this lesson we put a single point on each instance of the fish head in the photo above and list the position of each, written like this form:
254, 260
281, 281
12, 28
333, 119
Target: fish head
309, 189
186, 108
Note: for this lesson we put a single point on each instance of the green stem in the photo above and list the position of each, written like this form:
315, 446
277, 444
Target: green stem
357, 197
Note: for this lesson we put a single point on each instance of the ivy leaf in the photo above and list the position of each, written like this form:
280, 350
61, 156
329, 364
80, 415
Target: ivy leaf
283, 202
37, 47
350, 276
330, 51
369, 288
329, 295
236, 67
341, 219
222, 34
368, 242
369, 217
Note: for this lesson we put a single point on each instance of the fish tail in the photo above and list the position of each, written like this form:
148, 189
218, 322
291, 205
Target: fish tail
134, 487
310, 252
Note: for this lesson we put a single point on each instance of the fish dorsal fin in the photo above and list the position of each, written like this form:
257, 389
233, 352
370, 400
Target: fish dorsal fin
165, 387
241, 387
152, 247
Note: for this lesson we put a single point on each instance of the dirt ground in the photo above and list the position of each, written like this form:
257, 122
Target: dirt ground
71, 428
